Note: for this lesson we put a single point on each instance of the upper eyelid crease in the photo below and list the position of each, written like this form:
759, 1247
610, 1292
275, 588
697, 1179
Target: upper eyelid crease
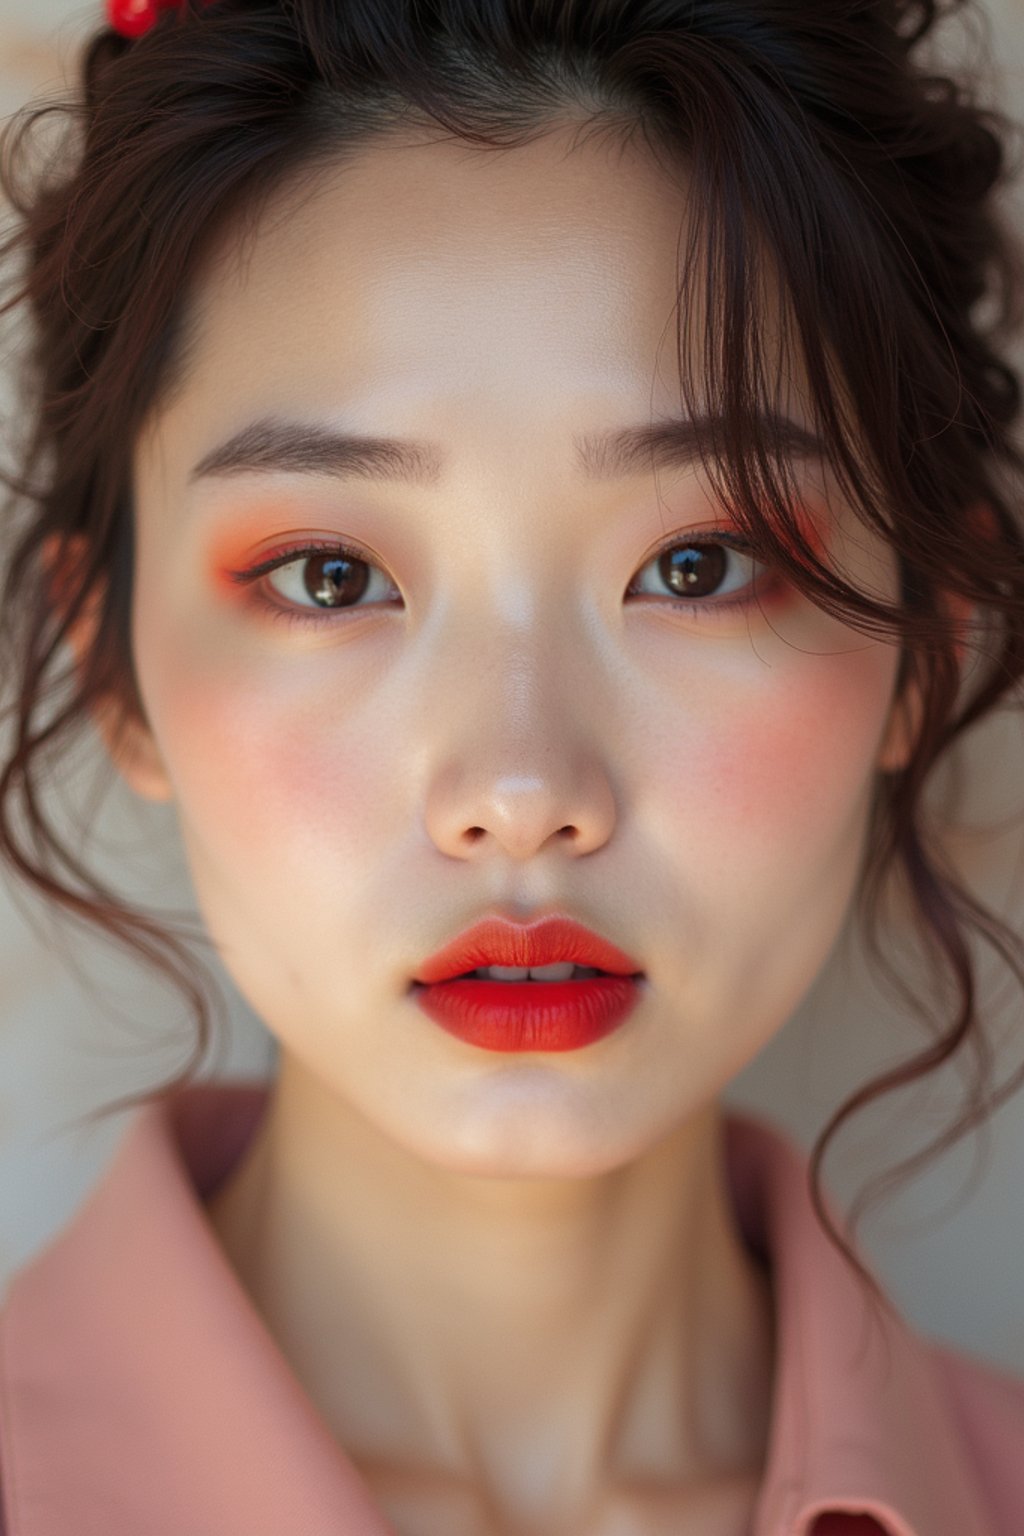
273, 445
310, 549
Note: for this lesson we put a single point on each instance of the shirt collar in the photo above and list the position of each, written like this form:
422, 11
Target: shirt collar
141, 1390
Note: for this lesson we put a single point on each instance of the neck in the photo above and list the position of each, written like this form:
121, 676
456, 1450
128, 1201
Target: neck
549, 1338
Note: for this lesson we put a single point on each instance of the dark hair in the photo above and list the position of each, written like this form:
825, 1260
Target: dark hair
823, 159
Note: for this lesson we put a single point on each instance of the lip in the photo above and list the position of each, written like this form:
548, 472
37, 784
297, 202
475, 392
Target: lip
496, 940
531, 1015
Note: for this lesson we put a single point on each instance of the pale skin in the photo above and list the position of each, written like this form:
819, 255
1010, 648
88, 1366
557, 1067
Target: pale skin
513, 1285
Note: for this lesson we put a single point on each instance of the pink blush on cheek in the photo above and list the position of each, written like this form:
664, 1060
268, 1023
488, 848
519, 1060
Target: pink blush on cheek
801, 751
262, 779
220, 774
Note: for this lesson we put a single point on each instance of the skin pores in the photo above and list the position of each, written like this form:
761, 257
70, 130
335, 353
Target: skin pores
353, 791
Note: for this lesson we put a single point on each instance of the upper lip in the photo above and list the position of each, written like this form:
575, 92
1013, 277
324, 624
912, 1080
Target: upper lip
496, 940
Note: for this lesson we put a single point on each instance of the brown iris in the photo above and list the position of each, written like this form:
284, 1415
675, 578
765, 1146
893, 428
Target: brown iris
332, 580
693, 569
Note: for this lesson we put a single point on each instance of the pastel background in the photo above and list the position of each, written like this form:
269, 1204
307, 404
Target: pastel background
79, 1030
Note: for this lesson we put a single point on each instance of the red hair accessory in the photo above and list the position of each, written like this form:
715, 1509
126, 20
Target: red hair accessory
133, 17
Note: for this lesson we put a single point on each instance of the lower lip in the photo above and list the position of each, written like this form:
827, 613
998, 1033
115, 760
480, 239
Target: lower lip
530, 1015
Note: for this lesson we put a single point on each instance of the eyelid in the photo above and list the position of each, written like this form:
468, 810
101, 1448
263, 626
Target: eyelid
351, 550
687, 536
284, 554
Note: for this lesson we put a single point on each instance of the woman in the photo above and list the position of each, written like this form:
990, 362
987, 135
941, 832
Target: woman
529, 487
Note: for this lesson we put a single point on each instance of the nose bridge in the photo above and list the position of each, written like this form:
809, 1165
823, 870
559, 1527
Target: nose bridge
520, 660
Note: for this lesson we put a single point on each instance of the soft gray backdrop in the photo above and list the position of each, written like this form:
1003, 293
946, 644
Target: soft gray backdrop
950, 1247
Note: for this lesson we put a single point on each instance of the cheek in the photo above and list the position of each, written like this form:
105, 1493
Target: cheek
269, 776
764, 792
785, 764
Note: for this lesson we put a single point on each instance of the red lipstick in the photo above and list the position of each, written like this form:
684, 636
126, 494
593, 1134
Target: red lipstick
528, 1015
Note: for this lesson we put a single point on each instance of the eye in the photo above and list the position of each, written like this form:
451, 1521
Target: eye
698, 571
316, 579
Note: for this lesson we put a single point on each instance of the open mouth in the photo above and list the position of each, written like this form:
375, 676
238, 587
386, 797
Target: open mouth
541, 973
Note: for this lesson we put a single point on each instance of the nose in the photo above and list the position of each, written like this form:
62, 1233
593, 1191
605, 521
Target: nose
521, 766
475, 807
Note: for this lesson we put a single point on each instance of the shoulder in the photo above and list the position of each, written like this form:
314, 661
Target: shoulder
987, 1404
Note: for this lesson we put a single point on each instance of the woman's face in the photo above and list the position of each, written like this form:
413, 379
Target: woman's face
356, 787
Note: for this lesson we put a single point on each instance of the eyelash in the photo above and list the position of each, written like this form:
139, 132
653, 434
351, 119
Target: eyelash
702, 611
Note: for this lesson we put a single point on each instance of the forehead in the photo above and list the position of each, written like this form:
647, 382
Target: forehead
425, 268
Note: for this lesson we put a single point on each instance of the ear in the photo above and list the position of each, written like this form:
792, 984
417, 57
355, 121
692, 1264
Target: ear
129, 743
905, 717
901, 730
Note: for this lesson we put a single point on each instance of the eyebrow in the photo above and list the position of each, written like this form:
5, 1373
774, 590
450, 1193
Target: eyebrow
273, 445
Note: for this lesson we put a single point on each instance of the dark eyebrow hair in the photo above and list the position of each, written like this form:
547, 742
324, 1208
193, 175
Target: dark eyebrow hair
273, 445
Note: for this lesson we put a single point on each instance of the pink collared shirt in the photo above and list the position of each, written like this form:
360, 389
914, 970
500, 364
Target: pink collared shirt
141, 1394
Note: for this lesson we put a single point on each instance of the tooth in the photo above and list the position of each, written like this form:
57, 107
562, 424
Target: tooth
558, 970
